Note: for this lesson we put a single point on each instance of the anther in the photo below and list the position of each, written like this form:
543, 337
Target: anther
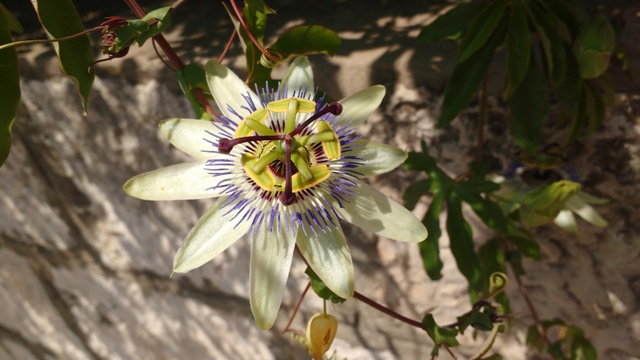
226, 145
333, 108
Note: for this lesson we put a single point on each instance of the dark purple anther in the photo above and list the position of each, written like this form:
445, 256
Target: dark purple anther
225, 146
335, 108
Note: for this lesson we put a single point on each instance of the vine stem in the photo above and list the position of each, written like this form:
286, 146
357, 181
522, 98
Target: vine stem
170, 52
297, 307
532, 309
385, 310
246, 29
47, 41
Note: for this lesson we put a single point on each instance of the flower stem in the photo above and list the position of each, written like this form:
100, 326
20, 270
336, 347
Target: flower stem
297, 307
387, 311
170, 52
228, 45
253, 39
532, 309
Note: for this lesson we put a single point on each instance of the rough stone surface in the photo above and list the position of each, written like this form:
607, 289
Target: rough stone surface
84, 269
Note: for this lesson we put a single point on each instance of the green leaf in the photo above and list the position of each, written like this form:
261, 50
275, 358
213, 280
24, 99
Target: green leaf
255, 14
481, 29
462, 247
9, 91
593, 63
11, 21
568, 14
414, 192
321, 289
59, 18
191, 77
163, 15
429, 249
489, 211
595, 107
439, 335
303, 40
466, 77
492, 259
552, 44
528, 110
524, 242
421, 161
451, 24
518, 48
476, 319
569, 90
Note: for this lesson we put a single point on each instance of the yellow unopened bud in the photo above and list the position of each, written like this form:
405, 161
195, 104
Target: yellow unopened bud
321, 331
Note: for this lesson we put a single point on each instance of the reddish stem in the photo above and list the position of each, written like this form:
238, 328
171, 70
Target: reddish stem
387, 311
228, 46
246, 29
295, 309
170, 52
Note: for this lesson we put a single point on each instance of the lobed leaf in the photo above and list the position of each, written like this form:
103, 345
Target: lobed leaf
552, 44
466, 77
489, 211
321, 289
439, 335
59, 18
518, 48
481, 29
11, 21
163, 15
451, 24
303, 40
462, 247
528, 110
429, 249
414, 192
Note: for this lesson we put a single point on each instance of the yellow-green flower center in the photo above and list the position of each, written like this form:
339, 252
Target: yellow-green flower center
288, 158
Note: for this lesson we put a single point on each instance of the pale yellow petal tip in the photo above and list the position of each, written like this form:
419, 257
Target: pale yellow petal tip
262, 325
130, 188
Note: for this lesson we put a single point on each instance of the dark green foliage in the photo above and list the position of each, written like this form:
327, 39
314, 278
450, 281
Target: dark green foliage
567, 48
570, 345
10, 89
321, 289
59, 19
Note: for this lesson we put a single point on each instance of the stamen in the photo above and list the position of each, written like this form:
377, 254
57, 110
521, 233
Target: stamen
333, 108
226, 145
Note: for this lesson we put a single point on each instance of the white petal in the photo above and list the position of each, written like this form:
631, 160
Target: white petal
299, 76
329, 257
213, 234
590, 199
376, 212
566, 221
585, 211
189, 136
378, 158
185, 181
228, 90
357, 107
271, 254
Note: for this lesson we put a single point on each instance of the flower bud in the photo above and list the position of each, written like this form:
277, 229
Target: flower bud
321, 331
